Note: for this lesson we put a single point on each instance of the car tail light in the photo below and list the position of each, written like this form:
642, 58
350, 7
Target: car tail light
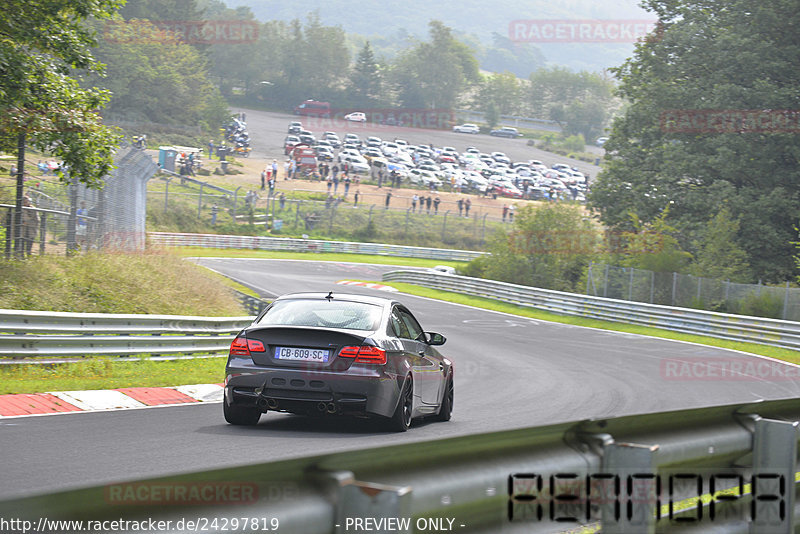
241, 346
365, 354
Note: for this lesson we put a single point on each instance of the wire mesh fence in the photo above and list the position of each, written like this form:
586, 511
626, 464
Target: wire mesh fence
69, 216
687, 291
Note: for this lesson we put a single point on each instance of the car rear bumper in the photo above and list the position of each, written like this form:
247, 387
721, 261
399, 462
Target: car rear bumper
361, 390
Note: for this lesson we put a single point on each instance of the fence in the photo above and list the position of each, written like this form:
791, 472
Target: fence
639, 474
687, 291
370, 215
736, 328
111, 217
27, 334
305, 245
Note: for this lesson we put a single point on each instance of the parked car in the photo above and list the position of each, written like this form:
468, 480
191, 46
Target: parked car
424, 177
289, 143
370, 354
333, 139
601, 141
506, 131
467, 128
356, 116
501, 157
313, 108
356, 164
507, 189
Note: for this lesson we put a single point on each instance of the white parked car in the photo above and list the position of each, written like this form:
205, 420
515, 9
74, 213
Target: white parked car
356, 116
467, 128
356, 164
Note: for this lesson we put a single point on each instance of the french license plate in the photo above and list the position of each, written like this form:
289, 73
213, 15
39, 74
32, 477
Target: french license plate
301, 355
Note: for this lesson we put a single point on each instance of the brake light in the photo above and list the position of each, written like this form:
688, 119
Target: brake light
255, 345
365, 354
241, 346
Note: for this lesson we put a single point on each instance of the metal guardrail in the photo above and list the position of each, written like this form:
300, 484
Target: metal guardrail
26, 334
167, 239
771, 332
637, 474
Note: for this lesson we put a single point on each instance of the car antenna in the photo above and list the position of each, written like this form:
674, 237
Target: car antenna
330, 296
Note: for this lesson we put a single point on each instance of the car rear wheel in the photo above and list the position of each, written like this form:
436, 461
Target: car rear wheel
446, 409
236, 415
401, 419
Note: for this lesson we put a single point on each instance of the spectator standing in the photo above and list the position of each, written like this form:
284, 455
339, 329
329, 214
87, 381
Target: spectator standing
505, 212
388, 198
414, 200
335, 170
346, 185
355, 197
436, 203
210, 148
467, 205
336, 182
330, 183
282, 200
275, 169
460, 205
428, 202
263, 179
286, 170
511, 209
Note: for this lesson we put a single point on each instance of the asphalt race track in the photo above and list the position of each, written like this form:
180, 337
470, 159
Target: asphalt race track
510, 372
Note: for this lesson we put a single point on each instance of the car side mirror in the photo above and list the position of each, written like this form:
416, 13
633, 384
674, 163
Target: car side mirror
435, 339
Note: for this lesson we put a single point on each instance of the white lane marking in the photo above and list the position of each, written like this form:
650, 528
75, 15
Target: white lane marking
202, 392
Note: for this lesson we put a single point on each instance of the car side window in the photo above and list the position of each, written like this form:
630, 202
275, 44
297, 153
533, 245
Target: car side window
397, 325
414, 329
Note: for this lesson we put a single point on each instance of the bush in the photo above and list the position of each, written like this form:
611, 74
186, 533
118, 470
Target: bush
764, 305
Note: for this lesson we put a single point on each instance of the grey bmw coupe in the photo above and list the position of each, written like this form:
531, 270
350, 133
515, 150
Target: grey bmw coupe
338, 354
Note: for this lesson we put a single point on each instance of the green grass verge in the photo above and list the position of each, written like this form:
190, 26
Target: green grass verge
778, 353
108, 373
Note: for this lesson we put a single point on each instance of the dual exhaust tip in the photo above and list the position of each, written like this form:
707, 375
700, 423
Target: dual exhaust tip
272, 404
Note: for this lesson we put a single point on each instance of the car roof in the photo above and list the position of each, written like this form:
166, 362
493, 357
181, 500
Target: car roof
348, 297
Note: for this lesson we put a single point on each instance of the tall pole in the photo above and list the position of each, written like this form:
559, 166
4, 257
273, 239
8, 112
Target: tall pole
19, 248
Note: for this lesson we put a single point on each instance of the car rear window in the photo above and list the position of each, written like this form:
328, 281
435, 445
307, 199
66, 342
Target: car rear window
322, 313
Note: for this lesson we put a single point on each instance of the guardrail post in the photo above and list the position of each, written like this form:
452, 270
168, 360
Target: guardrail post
774, 465
358, 500
630, 286
633, 469
785, 302
674, 286
200, 203
652, 285
166, 194
43, 238
605, 282
8, 234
